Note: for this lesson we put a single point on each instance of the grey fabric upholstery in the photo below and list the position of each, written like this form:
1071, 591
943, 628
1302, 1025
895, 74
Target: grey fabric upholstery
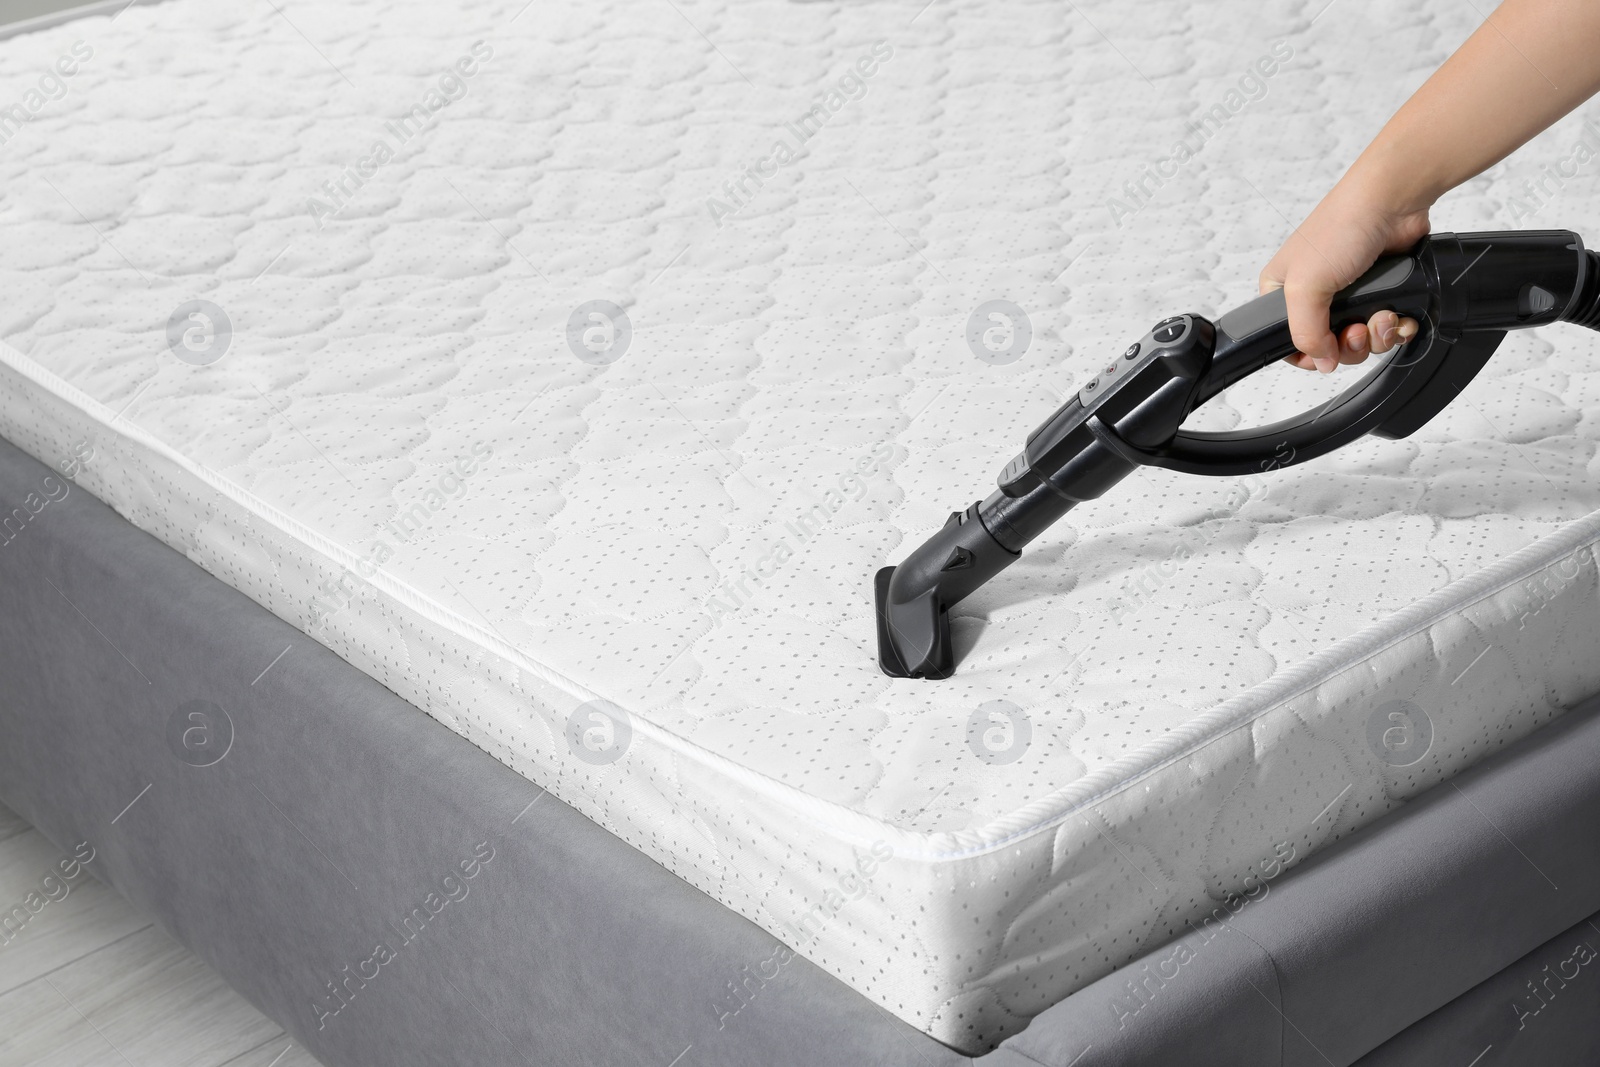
1541, 1011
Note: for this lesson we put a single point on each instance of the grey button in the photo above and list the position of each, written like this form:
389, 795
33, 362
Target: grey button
1535, 301
1015, 469
1382, 275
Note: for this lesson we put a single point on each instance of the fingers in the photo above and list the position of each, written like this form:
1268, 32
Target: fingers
1308, 328
1355, 343
1388, 329
1385, 326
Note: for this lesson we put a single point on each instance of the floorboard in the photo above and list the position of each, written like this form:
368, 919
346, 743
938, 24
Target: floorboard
11, 824
86, 981
33, 942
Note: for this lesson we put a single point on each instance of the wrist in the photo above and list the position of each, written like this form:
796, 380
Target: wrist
1393, 183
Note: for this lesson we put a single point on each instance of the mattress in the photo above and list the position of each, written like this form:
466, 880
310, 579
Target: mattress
571, 369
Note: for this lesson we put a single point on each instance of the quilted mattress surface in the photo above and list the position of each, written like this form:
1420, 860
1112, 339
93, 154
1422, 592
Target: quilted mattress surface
571, 367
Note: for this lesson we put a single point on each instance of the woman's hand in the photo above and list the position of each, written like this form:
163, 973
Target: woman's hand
1530, 63
1341, 238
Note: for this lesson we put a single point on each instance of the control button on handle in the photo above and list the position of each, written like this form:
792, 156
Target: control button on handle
1014, 473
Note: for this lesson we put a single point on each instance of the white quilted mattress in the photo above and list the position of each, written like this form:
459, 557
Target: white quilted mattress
644, 580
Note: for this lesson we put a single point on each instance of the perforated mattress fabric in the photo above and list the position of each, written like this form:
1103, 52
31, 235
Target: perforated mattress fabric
504, 351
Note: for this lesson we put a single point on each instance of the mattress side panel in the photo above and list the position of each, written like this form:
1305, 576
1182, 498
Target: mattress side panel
1206, 835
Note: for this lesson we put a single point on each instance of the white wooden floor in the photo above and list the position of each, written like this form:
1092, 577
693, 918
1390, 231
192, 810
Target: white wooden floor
90, 982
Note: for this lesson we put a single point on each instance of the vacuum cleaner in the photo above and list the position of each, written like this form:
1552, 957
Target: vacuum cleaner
1465, 291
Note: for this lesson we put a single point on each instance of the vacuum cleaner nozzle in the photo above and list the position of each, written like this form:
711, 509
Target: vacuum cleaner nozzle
927, 643
914, 599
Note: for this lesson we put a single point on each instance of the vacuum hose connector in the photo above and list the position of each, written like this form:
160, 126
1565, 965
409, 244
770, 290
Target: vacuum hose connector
1585, 307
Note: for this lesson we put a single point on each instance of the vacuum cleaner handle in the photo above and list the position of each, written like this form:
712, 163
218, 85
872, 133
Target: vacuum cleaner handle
1464, 290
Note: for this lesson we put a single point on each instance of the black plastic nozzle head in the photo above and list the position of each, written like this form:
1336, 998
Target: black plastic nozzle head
914, 636
914, 599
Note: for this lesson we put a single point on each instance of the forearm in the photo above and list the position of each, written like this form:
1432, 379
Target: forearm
1529, 64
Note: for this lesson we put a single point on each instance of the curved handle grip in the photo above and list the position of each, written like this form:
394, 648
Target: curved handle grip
1464, 290
1256, 335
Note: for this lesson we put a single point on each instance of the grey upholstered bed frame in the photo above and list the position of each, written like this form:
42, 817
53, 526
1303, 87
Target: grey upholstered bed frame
309, 814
